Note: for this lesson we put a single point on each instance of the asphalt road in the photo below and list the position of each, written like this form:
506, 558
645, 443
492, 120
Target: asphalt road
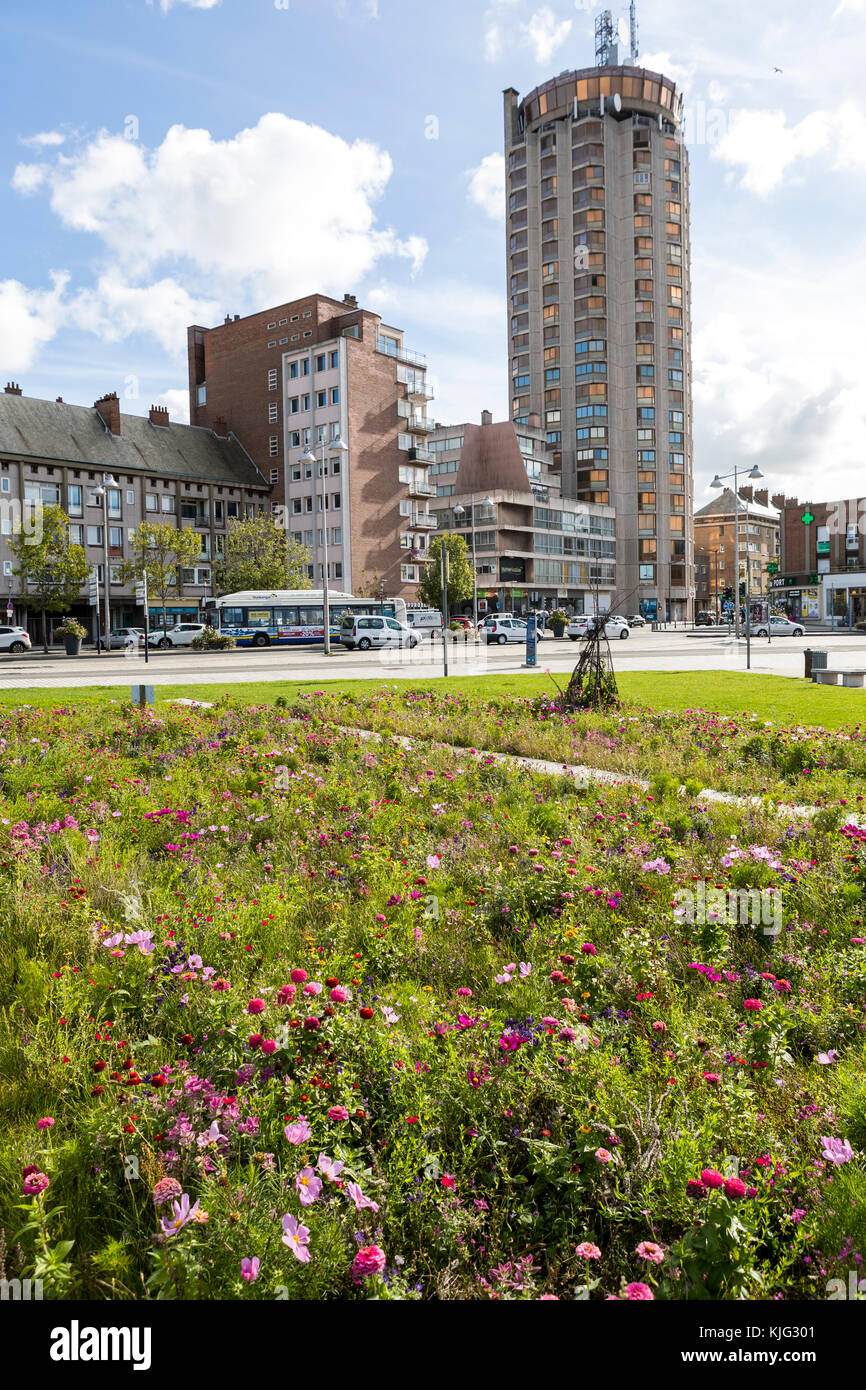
671, 650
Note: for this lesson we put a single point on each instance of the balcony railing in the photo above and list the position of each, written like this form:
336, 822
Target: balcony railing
418, 455
419, 424
421, 489
426, 521
419, 394
415, 359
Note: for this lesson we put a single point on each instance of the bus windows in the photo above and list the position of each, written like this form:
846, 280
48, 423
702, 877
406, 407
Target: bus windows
286, 617
312, 617
232, 617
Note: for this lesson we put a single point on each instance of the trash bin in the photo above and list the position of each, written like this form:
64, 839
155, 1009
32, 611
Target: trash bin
815, 661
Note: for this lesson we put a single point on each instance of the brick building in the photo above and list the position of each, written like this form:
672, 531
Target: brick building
534, 549
716, 566
823, 568
56, 454
301, 376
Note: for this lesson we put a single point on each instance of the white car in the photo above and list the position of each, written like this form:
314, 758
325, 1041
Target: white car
366, 631
502, 630
14, 639
779, 627
180, 635
577, 626
613, 627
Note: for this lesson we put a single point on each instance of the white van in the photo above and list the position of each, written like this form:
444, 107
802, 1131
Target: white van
425, 621
366, 630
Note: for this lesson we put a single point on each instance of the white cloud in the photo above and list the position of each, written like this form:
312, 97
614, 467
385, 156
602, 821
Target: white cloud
768, 152
166, 5
43, 139
849, 7
487, 186
226, 212
545, 33
496, 29
178, 405
28, 320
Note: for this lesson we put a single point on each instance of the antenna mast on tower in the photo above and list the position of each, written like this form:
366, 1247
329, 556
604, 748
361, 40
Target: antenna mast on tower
603, 38
632, 18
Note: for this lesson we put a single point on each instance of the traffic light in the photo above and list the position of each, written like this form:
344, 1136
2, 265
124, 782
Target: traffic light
729, 593
742, 588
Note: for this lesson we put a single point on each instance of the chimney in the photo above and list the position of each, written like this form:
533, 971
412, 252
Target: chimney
487, 417
220, 427
108, 408
59, 400
746, 492
237, 318
350, 301
159, 415
779, 500
228, 319
762, 496
12, 388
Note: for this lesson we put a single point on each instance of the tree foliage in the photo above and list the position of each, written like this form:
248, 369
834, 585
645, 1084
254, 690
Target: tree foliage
260, 554
161, 551
50, 569
460, 578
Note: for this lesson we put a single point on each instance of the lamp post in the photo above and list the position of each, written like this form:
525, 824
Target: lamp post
102, 491
719, 482
703, 550
461, 511
335, 445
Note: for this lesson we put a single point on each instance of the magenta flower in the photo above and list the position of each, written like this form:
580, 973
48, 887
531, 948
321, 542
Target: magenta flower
648, 1250
34, 1183
296, 1237
299, 1132
710, 1178
308, 1187
298, 976
338, 1112
735, 1188
45, 1123
369, 1260
587, 1251
165, 1191
256, 1006
636, 1292
339, 995
250, 1269
754, 1005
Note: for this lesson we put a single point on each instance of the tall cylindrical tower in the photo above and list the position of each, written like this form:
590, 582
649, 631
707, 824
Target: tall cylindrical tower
599, 296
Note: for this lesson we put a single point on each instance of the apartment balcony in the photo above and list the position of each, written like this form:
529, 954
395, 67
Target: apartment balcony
425, 521
421, 489
418, 395
419, 424
414, 359
418, 455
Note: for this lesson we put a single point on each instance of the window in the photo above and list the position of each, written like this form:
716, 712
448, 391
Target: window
115, 538
151, 502
94, 535
334, 359
293, 370
335, 395
275, 474
305, 402
130, 498
76, 536
201, 395
272, 379
273, 445
295, 439
337, 535
294, 405
167, 503
320, 362
321, 398
296, 506
73, 498
272, 413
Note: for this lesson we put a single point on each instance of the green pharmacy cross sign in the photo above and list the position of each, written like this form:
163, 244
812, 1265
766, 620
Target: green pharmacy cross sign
807, 518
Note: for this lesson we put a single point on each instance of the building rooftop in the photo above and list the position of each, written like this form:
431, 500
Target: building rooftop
76, 434
723, 505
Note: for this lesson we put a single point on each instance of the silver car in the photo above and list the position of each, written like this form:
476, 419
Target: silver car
14, 639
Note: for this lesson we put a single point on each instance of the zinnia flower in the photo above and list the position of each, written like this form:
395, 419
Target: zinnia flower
256, 1006
735, 1188
338, 1112
34, 1183
165, 1191
648, 1250
710, 1178
636, 1292
369, 1260
587, 1251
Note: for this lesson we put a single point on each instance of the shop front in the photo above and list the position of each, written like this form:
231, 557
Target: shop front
845, 599
797, 597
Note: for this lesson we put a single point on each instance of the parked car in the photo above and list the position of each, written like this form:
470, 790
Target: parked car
636, 620
14, 639
502, 629
779, 627
124, 637
577, 626
705, 620
180, 635
463, 620
365, 631
613, 627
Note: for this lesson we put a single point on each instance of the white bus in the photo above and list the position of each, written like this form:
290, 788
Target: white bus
290, 617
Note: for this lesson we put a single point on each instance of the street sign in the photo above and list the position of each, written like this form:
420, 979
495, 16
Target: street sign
531, 640
10, 613
93, 588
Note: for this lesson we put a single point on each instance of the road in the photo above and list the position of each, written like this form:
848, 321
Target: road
672, 650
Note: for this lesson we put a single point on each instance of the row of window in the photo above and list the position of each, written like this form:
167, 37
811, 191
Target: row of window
300, 404
333, 502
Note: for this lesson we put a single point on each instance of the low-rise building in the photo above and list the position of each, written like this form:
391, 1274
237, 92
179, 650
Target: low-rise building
822, 576
717, 567
534, 549
57, 454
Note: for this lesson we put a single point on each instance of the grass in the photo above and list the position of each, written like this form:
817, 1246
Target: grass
779, 698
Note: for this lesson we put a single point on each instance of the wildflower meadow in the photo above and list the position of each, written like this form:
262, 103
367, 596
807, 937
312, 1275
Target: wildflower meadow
293, 1012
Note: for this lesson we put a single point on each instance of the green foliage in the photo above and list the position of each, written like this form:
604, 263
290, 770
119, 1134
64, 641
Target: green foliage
260, 554
460, 585
161, 551
49, 569
213, 640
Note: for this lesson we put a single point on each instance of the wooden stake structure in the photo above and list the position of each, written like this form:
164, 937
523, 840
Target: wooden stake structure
592, 685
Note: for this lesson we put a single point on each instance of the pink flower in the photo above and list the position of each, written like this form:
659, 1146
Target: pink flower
710, 1178
369, 1260
648, 1250
359, 1199
250, 1269
588, 949
269, 1046
603, 1156
308, 1187
256, 1006
338, 1112
298, 976
296, 1237
312, 988
339, 995
299, 1132
34, 1183
45, 1123
587, 1251
836, 1150
287, 994
735, 1188
659, 1027
330, 1168
635, 1292
464, 992
165, 1191
754, 1004
711, 1078
433, 861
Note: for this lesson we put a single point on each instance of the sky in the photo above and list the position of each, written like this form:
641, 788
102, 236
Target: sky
166, 162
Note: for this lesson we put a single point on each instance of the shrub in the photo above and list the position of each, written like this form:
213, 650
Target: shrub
212, 640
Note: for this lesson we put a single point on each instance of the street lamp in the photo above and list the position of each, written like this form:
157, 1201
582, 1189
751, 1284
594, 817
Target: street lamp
335, 445
719, 482
461, 511
703, 550
102, 491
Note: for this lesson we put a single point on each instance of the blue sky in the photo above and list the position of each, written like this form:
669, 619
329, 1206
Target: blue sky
169, 162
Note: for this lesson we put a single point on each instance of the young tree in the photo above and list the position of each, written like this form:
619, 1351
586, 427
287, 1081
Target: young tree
51, 570
162, 551
260, 554
371, 586
460, 585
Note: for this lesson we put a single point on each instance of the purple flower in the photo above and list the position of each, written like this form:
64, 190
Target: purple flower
299, 1132
309, 1186
296, 1237
181, 1213
359, 1199
250, 1269
837, 1150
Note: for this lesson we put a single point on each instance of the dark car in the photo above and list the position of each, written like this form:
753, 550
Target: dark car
705, 620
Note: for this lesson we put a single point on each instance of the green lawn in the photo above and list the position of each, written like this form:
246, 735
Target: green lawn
779, 698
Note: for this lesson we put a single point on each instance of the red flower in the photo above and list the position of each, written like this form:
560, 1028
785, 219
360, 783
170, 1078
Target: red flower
366, 1013
411, 1119
186, 1039
448, 1180
99, 1066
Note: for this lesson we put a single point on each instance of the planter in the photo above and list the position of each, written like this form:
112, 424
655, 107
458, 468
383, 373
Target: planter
557, 629
72, 645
